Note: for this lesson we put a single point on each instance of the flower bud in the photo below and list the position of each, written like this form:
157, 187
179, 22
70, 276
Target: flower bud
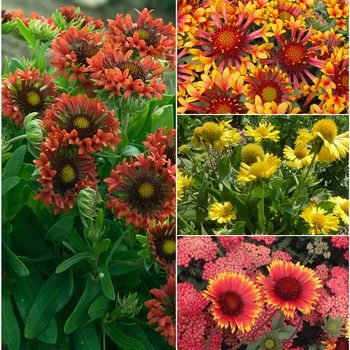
131, 105
127, 306
43, 31
88, 199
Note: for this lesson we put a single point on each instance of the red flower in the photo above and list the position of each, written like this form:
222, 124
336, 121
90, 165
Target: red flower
84, 122
63, 174
162, 311
144, 190
70, 15
25, 92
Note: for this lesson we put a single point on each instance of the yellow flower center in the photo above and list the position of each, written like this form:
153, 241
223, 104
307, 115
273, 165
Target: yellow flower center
301, 153
92, 50
228, 41
318, 219
295, 53
198, 132
327, 128
262, 130
169, 247
225, 211
269, 343
345, 81
143, 34
250, 153
33, 98
81, 123
211, 131
284, 15
269, 94
67, 173
258, 169
345, 207
223, 109
146, 190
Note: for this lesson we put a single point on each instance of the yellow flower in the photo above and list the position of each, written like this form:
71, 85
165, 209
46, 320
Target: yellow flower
264, 131
341, 209
179, 190
325, 139
299, 155
196, 139
184, 148
250, 152
262, 169
320, 223
186, 181
222, 212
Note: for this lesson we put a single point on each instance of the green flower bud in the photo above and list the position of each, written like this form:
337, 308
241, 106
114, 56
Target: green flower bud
43, 31
131, 105
127, 307
334, 327
35, 129
88, 199
8, 24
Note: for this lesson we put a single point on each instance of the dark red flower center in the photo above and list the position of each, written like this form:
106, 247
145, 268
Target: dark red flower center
31, 99
288, 288
228, 42
342, 82
342, 344
231, 303
6, 17
84, 51
224, 105
170, 153
145, 34
82, 124
269, 91
293, 57
66, 174
135, 69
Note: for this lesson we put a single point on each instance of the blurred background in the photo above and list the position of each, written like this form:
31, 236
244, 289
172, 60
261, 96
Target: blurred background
98, 9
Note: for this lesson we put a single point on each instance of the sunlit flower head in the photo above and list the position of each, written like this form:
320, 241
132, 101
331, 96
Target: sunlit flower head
325, 140
262, 169
222, 212
25, 92
263, 131
299, 155
196, 139
319, 221
251, 152
234, 299
143, 191
84, 122
289, 287
341, 209
185, 181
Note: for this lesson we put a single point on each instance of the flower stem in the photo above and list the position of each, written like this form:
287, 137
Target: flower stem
262, 208
185, 223
257, 330
210, 338
17, 138
295, 332
210, 155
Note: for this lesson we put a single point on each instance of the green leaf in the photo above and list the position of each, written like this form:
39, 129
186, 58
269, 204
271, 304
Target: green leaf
236, 157
10, 331
77, 316
102, 247
99, 307
135, 331
26, 33
163, 116
60, 230
136, 124
122, 340
40, 57
14, 64
274, 322
120, 269
77, 242
131, 151
74, 260
131, 280
238, 228
14, 261
9, 183
14, 164
49, 333
224, 171
252, 345
85, 338
124, 139
106, 282
288, 208
53, 296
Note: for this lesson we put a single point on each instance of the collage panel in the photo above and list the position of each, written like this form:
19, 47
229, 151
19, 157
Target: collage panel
275, 175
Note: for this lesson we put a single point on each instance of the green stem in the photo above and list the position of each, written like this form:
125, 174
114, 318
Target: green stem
17, 138
125, 121
210, 338
262, 208
209, 155
301, 186
295, 332
185, 223
213, 155
122, 262
257, 330
104, 339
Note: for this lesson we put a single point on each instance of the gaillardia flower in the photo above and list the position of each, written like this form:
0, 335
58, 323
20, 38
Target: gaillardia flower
142, 191
197, 139
25, 92
234, 299
64, 173
262, 169
264, 131
162, 239
222, 212
325, 140
289, 287
251, 152
84, 122
319, 221
341, 209
299, 155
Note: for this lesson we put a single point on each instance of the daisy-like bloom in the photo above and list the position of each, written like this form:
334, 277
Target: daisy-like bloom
299, 155
179, 189
25, 92
325, 140
114, 71
64, 173
148, 36
234, 299
163, 310
341, 209
217, 136
263, 132
162, 239
290, 287
251, 152
161, 145
196, 139
84, 122
186, 181
262, 169
142, 191
319, 221
293, 56
229, 39
71, 49
222, 212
